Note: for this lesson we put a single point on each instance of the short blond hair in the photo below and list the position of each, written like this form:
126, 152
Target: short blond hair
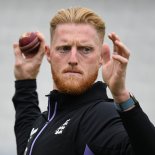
78, 15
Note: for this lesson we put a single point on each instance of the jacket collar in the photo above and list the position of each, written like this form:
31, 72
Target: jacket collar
96, 92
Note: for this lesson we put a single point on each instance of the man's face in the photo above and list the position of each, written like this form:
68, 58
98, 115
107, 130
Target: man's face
75, 57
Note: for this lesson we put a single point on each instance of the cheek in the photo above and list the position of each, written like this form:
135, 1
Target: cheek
93, 62
91, 67
54, 58
57, 63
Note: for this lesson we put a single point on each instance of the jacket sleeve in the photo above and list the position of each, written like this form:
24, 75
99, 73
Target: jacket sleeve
140, 130
25, 102
103, 131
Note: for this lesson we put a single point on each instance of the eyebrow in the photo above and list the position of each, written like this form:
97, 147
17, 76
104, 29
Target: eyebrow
81, 43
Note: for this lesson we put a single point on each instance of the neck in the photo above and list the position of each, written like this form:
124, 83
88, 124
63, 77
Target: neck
54, 86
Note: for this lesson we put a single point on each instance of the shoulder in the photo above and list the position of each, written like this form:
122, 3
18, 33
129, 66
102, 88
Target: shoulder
103, 110
101, 114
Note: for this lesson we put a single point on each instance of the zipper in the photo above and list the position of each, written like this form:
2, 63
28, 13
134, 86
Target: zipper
44, 127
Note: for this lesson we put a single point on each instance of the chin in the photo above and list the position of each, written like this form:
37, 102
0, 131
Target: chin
74, 85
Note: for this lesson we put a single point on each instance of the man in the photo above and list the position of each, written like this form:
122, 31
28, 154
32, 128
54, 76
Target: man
80, 119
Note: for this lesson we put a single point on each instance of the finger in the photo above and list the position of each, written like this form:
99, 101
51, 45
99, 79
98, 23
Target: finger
114, 38
41, 51
122, 49
119, 47
40, 54
105, 53
120, 59
40, 36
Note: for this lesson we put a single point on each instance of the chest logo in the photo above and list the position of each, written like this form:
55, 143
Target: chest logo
61, 128
33, 131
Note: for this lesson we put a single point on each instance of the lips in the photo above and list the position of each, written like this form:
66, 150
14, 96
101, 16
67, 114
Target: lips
72, 71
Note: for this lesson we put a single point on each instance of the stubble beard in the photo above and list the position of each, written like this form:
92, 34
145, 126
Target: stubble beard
72, 84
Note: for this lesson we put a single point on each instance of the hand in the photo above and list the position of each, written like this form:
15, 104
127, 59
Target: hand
114, 68
27, 67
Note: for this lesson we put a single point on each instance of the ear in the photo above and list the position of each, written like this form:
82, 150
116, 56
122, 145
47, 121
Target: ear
105, 54
47, 53
101, 58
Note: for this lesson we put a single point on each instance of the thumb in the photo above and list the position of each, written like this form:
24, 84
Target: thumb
105, 53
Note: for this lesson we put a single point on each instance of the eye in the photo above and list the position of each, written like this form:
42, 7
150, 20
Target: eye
63, 49
85, 49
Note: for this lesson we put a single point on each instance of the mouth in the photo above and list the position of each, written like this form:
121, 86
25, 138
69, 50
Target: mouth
73, 72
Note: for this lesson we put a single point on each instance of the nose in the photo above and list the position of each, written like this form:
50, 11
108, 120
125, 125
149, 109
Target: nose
73, 60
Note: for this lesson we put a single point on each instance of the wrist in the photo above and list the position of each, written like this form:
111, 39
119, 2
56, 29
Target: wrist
25, 77
125, 106
128, 104
122, 97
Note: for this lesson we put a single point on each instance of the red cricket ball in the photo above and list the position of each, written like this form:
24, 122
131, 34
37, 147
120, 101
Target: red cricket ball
29, 43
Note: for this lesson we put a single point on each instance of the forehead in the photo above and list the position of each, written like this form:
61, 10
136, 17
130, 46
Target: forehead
75, 32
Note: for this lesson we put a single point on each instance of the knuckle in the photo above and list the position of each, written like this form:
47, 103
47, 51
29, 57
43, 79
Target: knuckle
18, 64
